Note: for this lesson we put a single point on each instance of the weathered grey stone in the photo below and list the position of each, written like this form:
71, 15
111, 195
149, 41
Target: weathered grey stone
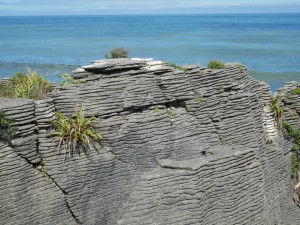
181, 147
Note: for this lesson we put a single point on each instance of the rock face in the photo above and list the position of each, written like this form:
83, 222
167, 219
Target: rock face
197, 146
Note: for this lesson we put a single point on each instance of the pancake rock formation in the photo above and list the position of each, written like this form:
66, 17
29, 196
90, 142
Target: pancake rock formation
186, 145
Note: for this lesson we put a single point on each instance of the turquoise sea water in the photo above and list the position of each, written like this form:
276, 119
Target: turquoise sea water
268, 44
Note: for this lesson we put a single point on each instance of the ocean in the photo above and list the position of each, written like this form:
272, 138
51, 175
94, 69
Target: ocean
267, 44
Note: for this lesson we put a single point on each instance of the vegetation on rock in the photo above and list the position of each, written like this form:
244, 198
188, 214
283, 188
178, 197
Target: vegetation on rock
199, 99
240, 66
117, 53
31, 85
75, 134
5, 92
294, 135
296, 91
42, 169
215, 64
277, 110
7, 130
156, 109
69, 79
170, 113
177, 67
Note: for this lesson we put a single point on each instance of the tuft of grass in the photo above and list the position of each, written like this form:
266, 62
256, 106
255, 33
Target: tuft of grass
69, 79
117, 53
277, 110
170, 113
156, 109
177, 67
199, 99
296, 91
215, 64
240, 66
75, 134
31, 85
7, 130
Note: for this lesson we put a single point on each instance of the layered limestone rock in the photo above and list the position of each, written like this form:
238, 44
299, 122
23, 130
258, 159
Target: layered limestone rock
182, 146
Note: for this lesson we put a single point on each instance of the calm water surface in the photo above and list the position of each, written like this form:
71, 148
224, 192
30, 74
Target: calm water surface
268, 44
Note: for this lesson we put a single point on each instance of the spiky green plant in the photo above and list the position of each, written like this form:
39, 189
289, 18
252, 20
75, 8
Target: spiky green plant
69, 79
117, 53
75, 134
32, 85
215, 64
277, 110
7, 130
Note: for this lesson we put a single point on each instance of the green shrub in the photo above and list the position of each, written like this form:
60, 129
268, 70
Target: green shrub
68, 79
117, 53
215, 64
277, 110
32, 86
7, 130
75, 134
296, 91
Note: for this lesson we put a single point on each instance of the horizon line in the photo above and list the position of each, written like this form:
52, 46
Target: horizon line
150, 14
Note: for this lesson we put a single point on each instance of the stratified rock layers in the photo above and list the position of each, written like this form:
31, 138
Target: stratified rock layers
193, 147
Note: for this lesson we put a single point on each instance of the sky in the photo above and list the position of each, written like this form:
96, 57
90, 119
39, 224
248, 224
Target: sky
108, 7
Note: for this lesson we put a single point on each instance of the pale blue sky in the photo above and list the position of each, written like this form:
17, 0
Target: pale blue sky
104, 7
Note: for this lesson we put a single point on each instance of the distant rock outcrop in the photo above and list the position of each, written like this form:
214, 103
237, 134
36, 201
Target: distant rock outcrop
182, 146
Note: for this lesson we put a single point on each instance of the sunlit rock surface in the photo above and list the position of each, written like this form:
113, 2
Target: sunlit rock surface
182, 146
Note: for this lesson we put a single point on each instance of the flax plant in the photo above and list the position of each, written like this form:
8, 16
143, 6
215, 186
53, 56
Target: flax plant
277, 110
32, 86
75, 134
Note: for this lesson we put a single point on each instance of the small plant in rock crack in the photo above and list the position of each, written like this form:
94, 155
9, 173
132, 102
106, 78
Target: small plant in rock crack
170, 113
75, 134
199, 99
156, 109
41, 168
7, 130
